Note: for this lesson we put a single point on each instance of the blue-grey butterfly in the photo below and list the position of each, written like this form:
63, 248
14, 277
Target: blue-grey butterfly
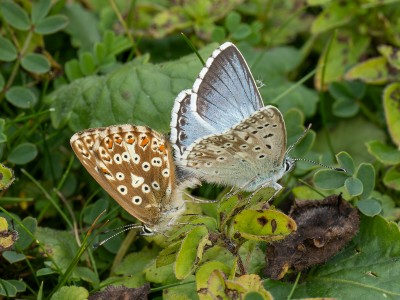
134, 164
221, 131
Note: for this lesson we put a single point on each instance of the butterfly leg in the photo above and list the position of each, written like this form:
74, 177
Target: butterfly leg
198, 200
277, 187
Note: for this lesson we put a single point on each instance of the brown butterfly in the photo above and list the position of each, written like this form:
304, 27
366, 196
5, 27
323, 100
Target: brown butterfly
134, 164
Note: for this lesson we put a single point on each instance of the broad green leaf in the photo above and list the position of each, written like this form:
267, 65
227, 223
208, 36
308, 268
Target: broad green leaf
369, 207
168, 255
232, 21
366, 174
13, 257
329, 179
21, 97
243, 31
6, 177
51, 24
191, 251
251, 283
373, 71
60, 245
23, 153
73, 70
340, 56
345, 108
7, 289
15, 15
204, 272
391, 100
19, 285
163, 275
263, 225
335, 14
353, 186
392, 178
218, 35
365, 269
71, 292
136, 93
384, 153
7, 50
391, 54
35, 63
40, 9
135, 263
346, 162
87, 275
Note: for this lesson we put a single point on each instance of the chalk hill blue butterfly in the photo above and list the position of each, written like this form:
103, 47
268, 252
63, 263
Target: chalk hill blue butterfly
221, 131
134, 164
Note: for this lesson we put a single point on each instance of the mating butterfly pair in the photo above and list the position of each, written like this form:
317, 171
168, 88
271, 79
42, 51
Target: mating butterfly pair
220, 131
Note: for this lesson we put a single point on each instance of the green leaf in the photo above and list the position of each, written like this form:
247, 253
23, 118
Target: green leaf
346, 162
40, 9
329, 179
391, 54
335, 14
35, 63
135, 263
6, 177
191, 251
391, 100
21, 97
19, 285
242, 31
25, 239
218, 34
7, 289
369, 207
45, 272
71, 292
345, 108
392, 178
232, 21
88, 103
23, 153
263, 225
366, 174
7, 50
354, 186
168, 255
87, 63
374, 71
365, 269
73, 70
2, 82
204, 272
385, 154
51, 24
15, 15
13, 257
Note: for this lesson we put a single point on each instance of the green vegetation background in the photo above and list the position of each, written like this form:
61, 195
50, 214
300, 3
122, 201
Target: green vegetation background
70, 65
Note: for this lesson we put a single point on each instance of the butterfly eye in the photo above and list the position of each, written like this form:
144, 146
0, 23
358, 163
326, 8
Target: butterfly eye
288, 165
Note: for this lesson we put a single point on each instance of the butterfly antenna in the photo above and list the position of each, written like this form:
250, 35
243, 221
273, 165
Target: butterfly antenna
322, 165
125, 228
299, 139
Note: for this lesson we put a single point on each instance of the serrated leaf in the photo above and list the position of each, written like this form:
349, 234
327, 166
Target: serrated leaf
15, 15
363, 270
87, 63
329, 180
391, 100
263, 225
392, 178
40, 9
374, 71
346, 162
6, 177
353, 186
13, 257
369, 207
385, 154
21, 97
51, 24
23, 153
35, 63
366, 174
71, 292
7, 50
191, 251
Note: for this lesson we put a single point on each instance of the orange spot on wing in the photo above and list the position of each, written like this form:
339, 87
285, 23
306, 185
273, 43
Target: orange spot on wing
118, 140
105, 171
130, 141
145, 141
110, 144
161, 148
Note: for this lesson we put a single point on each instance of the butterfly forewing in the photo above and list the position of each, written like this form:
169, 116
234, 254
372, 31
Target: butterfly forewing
133, 164
251, 148
225, 82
